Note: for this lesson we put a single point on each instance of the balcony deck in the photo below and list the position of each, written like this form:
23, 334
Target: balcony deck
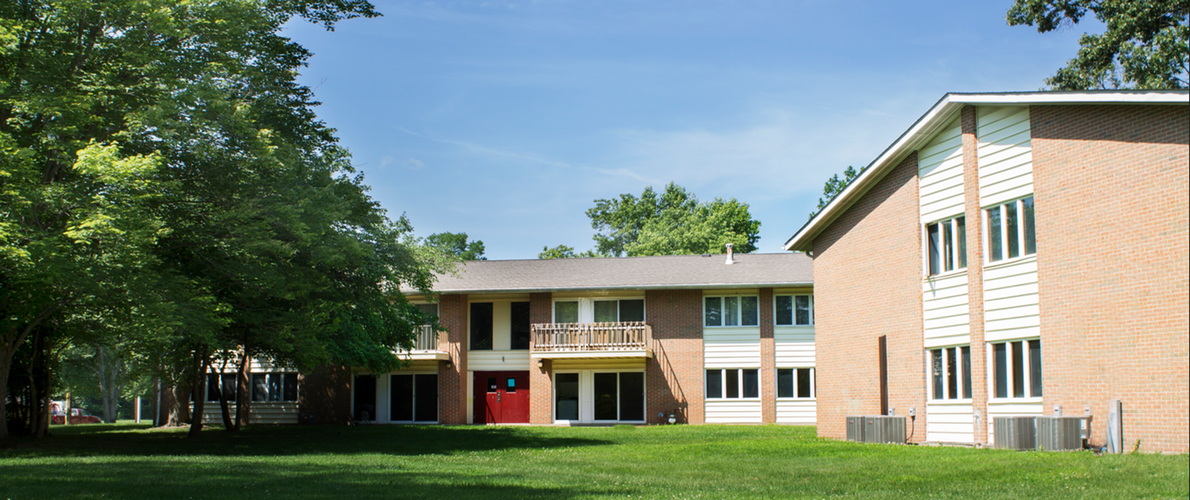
425, 346
630, 339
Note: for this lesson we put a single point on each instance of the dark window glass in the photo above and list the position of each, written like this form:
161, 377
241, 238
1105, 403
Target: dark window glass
952, 374
605, 396
966, 372
511, 387
520, 329
365, 397
714, 384
481, 326
229, 387
1000, 371
961, 237
994, 236
1010, 220
260, 387
632, 310
493, 386
784, 310
731, 311
632, 395
713, 312
948, 246
802, 303
936, 368
1030, 230
934, 243
566, 312
606, 311
426, 397
785, 383
402, 398
275, 385
428, 309
731, 382
749, 311
1035, 368
566, 404
804, 376
751, 383
1018, 370
213, 387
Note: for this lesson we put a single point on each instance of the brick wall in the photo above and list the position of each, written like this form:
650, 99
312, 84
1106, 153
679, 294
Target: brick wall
974, 214
452, 377
541, 387
867, 283
673, 378
768, 359
1112, 258
324, 396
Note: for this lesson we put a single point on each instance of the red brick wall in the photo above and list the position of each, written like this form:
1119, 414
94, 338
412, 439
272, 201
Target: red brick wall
974, 214
541, 387
452, 377
673, 378
1112, 258
867, 283
324, 396
768, 359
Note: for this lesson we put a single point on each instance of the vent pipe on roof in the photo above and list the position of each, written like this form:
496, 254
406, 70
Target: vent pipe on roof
730, 255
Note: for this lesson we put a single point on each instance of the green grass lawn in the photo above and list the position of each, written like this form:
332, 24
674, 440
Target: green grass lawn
458, 463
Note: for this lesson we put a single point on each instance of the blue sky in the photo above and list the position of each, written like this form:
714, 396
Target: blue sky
506, 120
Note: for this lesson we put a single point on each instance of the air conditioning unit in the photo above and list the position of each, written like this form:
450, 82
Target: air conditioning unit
855, 429
1015, 433
1059, 433
884, 429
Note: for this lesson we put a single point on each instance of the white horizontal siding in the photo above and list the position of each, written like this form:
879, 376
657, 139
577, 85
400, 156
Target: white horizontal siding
945, 311
260, 412
794, 346
950, 423
1010, 300
731, 347
940, 174
1005, 154
801, 412
491, 361
1009, 409
733, 412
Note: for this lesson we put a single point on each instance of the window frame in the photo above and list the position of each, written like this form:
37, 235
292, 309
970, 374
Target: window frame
1009, 375
796, 393
793, 302
579, 303
740, 384
1023, 226
739, 310
963, 379
957, 244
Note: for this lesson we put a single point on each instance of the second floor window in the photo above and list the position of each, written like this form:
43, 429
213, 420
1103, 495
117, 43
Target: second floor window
946, 245
1010, 229
731, 311
599, 310
794, 310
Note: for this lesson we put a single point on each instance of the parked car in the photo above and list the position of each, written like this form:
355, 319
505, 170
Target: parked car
77, 416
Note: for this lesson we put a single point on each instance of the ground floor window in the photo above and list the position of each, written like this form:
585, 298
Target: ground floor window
950, 372
274, 386
414, 397
1016, 369
795, 382
733, 383
599, 396
566, 396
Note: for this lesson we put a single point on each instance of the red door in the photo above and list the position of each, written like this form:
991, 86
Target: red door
501, 397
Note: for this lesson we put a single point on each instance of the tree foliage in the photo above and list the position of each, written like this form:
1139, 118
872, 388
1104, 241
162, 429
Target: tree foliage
1146, 44
456, 244
833, 187
564, 252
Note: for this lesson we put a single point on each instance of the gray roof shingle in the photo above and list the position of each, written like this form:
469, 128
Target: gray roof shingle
679, 271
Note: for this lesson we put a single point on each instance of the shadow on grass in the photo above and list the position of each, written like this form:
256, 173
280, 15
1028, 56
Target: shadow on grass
139, 440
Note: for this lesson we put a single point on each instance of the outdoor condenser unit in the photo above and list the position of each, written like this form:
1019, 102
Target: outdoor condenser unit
1058, 433
884, 429
1015, 433
855, 429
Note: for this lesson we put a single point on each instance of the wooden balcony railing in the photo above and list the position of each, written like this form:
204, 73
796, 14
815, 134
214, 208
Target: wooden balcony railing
426, 339
559, 337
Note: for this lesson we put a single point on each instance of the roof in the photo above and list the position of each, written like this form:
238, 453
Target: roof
940, 114
629, 273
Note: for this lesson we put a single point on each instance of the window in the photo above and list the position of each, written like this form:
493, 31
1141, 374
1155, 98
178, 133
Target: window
946, 245
228, 389
795, 382
566, 396
613, 311
429, 310
481, 326
520, 328
620, 396
1011, 230
950, 373
794, 310
414, 398
566, 312
1016, 369
733, 383
731, 311
266, 387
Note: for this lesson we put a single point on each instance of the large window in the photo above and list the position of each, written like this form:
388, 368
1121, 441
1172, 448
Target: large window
429, 310
1010, 230
481, 326
414, 398
733, 383
520, 328
795, 383
1016, 369
228, 390
794, 310
946, 245
620, 396
950, 373
599, 311
731, 311
274, 386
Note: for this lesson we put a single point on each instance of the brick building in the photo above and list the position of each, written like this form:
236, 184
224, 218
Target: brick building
1013, 254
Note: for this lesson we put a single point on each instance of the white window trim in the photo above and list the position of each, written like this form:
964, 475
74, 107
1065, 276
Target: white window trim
795, 323
739, 384
1008, 369
952, 221
1020, 232
586, 307
933, 398
739, 310
813, 383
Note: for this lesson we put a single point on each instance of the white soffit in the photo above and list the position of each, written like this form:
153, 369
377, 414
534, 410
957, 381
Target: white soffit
941, 113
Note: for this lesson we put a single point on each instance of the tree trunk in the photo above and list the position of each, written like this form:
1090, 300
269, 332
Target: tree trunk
224, 393
201, 364
7, 349
182, 397
243, 391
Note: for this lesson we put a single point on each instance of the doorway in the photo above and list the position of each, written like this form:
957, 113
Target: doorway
501, 397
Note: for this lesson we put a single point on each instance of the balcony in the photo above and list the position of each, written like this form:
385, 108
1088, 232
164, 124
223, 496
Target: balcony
631, 339
425, 346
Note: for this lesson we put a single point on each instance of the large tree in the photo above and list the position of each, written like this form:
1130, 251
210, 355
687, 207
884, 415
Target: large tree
456, 244
833, 187
1146, 44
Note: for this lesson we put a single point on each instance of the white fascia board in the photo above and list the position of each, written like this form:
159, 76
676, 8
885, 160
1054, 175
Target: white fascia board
940, 114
